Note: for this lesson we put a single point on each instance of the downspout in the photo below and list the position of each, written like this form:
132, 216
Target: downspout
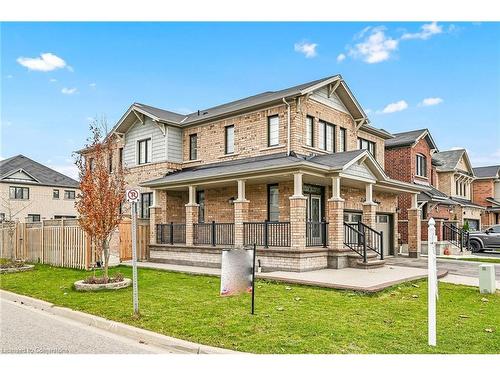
288, 127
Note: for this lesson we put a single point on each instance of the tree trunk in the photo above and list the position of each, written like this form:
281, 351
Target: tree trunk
105, 251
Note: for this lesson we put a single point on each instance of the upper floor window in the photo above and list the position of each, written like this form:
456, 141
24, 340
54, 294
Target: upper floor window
273, 130
33, 218
421, 165
91, 164
144, 151
19, 193
342, 140
55, 193
460, 188
365, 144
326, 136
229, 142
310, 131
120, 157
69, 194
146, 201
193, 146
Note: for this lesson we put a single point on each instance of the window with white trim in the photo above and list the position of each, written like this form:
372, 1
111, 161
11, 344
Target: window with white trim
421, 165
273, 131
365, 144
229, 142
342, 140
16, 192
144, 151
310, 131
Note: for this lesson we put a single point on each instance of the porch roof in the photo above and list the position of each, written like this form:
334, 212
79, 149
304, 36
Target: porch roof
281, 162
465, 202
435, 195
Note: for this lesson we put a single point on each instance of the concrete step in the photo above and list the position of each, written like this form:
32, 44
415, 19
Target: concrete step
370, 264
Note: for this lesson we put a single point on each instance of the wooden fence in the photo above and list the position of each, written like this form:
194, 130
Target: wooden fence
63, 243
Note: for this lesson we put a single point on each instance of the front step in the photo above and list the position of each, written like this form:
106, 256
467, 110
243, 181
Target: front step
373, 261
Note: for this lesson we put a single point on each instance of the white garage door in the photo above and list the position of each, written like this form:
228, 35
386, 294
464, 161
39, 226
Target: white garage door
383, 224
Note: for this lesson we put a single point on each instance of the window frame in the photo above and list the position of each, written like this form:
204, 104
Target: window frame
193, 151
58, 194
147, 156
324, 127
421, 165
368, 143
269, 188
342, 139
19, 188
68, 196
269, 119
120, 158
200, 200
226, 140
145, 213
33, 216
310, 131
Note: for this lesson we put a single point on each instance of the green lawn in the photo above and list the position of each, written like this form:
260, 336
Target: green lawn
297, 320
481, 260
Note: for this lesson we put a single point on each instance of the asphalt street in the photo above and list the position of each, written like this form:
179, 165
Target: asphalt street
27, 330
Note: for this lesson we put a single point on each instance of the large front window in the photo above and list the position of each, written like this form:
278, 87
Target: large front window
273, 131
421, 166
200, 199
19, 193
193, 146
273, 204
144, 151
365, 144
310, 131
146, 201
229, 143
326, 136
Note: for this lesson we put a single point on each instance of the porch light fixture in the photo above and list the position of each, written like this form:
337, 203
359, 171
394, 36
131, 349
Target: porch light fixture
231, 200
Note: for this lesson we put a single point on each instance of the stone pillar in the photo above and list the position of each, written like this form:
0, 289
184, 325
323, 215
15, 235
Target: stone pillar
241, 206
156, 213
298, 215
335, 217
369, 207
191, 215
414, 229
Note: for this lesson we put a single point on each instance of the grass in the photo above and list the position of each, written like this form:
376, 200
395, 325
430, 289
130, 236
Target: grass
289, 319
481, 260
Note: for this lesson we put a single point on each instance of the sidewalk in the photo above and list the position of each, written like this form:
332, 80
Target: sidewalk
372, 280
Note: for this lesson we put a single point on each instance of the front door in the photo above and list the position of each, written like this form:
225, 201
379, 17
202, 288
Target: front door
314, 215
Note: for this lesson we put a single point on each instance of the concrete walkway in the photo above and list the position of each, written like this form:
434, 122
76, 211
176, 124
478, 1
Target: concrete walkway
372, 280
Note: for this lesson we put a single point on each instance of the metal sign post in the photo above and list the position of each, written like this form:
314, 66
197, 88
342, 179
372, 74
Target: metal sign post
133, 197
432, 282
253, 278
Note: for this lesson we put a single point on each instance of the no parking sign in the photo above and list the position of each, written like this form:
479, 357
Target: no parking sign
132, 195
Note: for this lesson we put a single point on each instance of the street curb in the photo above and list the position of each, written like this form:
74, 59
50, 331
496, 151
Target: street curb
125, 330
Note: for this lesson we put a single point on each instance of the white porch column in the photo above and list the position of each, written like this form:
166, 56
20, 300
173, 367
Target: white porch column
414, 228
192, 194
336, 188
241, 206
369, 193
414, 201
191, 215
297, 185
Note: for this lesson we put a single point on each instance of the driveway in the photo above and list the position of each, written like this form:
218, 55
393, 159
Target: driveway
454, 267
27, 330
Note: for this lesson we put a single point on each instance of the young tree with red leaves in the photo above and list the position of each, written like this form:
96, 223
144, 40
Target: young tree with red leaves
102, 191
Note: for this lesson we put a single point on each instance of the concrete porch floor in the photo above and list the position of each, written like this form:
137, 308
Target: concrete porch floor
372, 280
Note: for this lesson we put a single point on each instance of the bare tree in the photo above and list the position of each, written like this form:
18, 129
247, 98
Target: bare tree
102, 191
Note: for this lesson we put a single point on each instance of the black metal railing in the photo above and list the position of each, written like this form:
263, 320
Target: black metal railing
456, 236
213, 233
354, 239
374, 239
267, 233
170, 233
317, 233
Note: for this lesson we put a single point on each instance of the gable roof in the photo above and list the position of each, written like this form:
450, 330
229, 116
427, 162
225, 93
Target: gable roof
491, 171
410, 138
248, 103
39, 172
449, 160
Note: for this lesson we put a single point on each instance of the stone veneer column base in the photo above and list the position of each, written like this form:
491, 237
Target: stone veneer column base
298, 222
335, 218
369, 214
414, 233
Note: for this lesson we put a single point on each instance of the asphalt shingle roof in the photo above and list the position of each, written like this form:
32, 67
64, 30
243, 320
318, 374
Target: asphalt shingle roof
44, 175
492, 171
448, 159
404, 138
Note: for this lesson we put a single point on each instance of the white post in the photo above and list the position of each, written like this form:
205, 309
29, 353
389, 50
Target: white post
369, 193
297, 185
134, 259
432, 282
241, 191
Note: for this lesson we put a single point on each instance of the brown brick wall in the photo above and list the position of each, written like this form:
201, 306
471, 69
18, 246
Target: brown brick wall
482, 189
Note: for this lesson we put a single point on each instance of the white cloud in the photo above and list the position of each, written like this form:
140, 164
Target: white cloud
308, 49
427, 102
93, 84
426, 31
52, 80
395, 107
45, 63
69, 91
376, 47
341, 58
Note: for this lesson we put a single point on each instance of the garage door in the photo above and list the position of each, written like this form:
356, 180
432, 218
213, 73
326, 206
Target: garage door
383, 224
473, 224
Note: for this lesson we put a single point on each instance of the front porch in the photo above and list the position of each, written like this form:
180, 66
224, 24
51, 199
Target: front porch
300, 219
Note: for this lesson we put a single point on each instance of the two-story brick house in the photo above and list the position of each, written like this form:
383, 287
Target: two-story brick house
413, 157
486, 193
293, 170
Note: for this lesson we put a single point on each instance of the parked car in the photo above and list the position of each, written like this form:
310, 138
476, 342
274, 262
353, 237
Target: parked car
487, 239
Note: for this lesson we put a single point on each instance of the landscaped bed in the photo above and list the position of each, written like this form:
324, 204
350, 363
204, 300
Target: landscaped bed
289, 318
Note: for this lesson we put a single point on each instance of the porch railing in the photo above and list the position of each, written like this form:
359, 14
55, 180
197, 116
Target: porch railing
374, 239
317, 233
456, 236
267, 233
354, 239
213, 233
170, 233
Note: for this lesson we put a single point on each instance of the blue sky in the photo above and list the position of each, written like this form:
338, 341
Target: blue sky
55, 76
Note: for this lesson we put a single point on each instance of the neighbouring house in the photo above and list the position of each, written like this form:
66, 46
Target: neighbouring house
298, 171
32, 192
486, 193
413, 157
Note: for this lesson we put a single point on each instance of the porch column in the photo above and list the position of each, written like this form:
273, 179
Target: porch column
335, 217
369, 207
156, 213
414, 228
297, 215
240, 214
191, 215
